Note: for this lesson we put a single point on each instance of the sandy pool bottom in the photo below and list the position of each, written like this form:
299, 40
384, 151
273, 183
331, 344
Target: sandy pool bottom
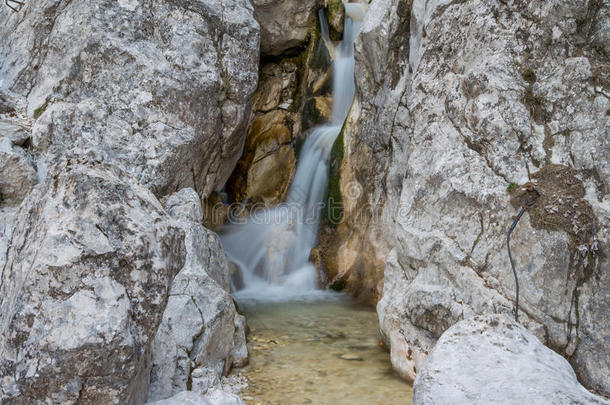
322, 352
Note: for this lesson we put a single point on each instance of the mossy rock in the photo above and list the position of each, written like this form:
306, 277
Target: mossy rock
334, 203
335, 13
511, 187
40, 110
535, 102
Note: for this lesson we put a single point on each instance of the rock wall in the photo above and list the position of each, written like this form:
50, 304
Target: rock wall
475, 100
105, 108
285, 25
354, 250
293, 96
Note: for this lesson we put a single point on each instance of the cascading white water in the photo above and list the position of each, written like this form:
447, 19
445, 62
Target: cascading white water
272, 247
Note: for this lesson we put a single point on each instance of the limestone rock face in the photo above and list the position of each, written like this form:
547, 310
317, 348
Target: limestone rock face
160, 88
285, 24
476, 99
493, 359
109, 104
86, 278
199, 322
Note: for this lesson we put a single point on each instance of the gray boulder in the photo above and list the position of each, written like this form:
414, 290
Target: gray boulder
160, 88
285, 24
88, 271
199, 323
494, 360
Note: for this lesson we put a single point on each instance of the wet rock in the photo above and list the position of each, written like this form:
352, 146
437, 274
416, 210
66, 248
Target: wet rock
285, 24
266, 168
493, 359
199, 323
335, 14
86, 279
351, 357
355, 249
292, 96
162, 89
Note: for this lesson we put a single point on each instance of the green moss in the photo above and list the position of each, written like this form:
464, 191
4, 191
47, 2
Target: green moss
334, 203
335, 14
528, 75
38, 112
338, 285
608, 112
511, 187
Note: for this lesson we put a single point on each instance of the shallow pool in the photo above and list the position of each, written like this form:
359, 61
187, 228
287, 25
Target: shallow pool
318, 352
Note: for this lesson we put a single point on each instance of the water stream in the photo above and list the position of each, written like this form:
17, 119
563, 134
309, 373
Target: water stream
272, 248
307, 346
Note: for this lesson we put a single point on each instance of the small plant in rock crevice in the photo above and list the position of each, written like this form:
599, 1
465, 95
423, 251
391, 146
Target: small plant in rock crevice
38, 111
529, 76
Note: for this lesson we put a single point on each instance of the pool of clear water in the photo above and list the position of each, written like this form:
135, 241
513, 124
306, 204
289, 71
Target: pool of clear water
322, 351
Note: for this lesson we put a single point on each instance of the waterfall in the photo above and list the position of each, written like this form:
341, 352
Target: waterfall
272, 247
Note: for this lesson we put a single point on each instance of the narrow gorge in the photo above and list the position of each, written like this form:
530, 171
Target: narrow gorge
226, 202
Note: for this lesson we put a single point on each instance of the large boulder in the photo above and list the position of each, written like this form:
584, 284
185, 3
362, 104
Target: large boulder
88, 271
493, 360
285, 24
199, 323
160, 88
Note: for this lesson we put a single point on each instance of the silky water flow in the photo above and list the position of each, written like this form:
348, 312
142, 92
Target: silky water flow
272, 246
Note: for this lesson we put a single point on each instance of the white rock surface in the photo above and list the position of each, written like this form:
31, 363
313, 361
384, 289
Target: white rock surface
88, 269
240, 349
199, 322
214, 396
494, 360
160, 88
